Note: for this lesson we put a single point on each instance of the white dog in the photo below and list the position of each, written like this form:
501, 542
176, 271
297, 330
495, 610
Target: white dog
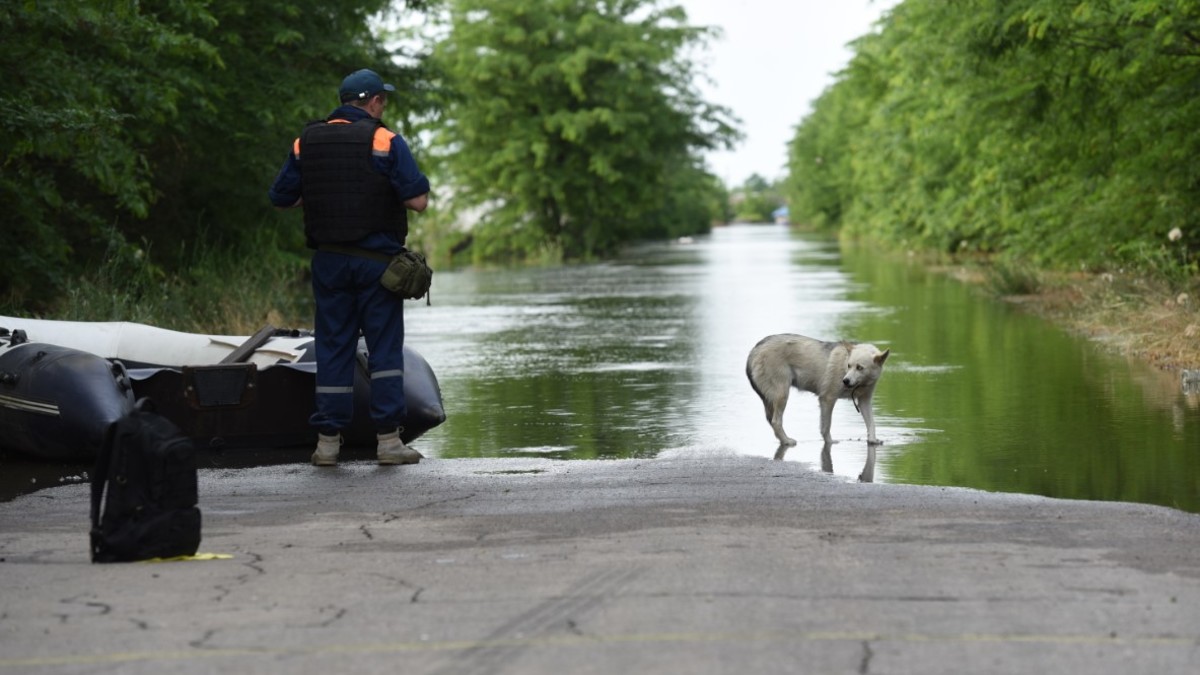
831, 370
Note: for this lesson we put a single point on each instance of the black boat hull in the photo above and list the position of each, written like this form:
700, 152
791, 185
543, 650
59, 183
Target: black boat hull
56, 402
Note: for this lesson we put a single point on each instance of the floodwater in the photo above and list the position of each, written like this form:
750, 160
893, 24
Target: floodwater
644, 357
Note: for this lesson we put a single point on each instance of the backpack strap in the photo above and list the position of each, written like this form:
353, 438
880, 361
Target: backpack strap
100, 480
104, 464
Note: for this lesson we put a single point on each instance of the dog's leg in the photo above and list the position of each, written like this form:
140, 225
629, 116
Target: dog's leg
775, 409
868, 415
827, 418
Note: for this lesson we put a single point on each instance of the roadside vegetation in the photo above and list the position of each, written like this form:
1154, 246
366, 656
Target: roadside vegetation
1140, 315
1048, 147
1049, 144
138, 141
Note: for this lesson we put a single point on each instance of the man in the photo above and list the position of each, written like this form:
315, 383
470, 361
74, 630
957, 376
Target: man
355, 180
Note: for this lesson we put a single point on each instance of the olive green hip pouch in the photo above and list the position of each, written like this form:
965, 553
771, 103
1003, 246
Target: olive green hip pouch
407, 275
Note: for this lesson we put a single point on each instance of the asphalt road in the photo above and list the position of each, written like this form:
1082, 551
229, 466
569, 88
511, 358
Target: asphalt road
714, 565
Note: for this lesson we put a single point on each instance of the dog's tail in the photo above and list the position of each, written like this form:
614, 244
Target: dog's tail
751, 375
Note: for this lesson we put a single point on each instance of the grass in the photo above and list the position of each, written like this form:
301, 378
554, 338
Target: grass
1007, 279
233, 292
1139, 315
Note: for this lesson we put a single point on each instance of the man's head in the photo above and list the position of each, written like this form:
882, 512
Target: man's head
361, 85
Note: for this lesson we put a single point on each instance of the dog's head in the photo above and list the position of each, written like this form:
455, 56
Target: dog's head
864, 365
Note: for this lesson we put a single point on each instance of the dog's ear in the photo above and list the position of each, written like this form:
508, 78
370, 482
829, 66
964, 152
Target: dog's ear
882, 356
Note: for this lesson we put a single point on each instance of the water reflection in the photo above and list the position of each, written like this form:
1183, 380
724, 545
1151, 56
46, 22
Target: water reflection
867, 475
1022, 406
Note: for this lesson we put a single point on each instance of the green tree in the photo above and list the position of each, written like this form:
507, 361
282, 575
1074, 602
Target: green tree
129, 128
1058, 132
85, 84
574, 124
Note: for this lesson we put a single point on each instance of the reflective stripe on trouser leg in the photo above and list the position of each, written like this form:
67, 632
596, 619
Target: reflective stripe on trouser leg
388, 408
336, 287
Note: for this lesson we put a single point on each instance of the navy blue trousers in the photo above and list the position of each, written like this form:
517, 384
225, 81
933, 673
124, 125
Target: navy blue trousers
349, 299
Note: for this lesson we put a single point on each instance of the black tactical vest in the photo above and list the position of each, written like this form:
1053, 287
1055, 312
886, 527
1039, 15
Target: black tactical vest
345, 196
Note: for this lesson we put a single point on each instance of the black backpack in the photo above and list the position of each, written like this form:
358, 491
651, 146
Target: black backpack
147, 467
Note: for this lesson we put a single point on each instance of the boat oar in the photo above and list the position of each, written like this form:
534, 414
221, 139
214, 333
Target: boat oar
247, 348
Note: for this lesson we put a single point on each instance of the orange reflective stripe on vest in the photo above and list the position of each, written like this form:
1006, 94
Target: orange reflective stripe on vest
381, 144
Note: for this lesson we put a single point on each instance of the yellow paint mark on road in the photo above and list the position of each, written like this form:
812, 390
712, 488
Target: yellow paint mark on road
198, 556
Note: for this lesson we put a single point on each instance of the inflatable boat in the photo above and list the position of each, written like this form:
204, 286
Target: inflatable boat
63, 382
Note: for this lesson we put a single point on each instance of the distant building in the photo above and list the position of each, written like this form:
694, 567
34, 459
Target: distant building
781, 215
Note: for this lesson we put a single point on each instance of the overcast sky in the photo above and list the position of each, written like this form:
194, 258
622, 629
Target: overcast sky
774, 59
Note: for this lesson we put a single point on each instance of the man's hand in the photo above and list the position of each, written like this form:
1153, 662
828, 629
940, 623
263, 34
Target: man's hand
418, 203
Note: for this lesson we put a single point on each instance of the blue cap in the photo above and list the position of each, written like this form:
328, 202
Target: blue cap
362, 84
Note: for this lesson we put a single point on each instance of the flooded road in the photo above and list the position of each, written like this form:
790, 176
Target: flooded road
645, 357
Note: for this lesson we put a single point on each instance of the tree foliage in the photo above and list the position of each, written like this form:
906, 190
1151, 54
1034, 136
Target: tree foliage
1061, 132
128, 125
575, 124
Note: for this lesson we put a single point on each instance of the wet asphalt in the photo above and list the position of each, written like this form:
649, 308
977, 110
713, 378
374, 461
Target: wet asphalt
701, 565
